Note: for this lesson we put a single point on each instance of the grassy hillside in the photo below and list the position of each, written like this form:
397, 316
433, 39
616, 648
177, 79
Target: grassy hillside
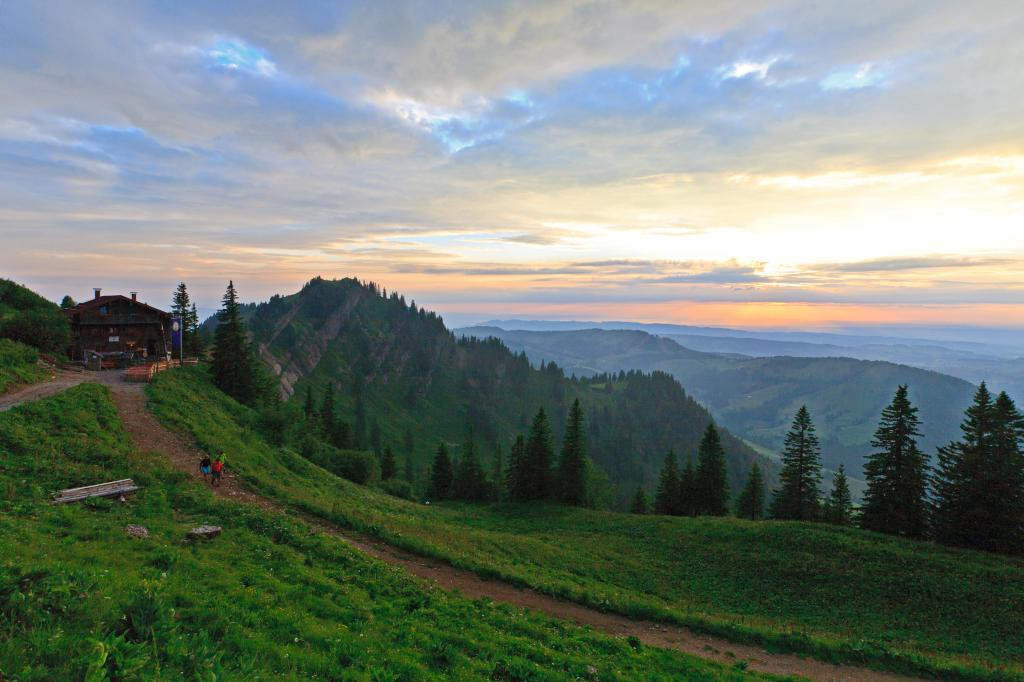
27, 317
757, 397
417, 383
19, 364
836, 593
268, 599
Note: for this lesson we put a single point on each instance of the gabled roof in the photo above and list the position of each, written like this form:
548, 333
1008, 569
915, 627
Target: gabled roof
104, 300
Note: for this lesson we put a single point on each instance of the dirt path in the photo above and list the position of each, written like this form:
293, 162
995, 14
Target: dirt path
150, 435
60, 379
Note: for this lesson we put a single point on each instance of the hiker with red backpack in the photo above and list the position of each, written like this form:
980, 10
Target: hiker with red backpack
218, 467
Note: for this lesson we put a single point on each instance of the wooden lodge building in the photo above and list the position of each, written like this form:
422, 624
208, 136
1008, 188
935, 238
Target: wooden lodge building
109, 325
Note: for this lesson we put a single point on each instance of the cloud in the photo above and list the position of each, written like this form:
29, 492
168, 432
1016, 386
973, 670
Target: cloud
579, 146
864, 76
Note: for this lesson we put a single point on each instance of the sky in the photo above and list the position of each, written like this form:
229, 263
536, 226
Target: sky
768, 164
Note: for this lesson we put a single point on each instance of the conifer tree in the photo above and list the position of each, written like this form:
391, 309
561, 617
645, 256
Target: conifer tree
310, 406
750, 504
67, 302
408, 472
979, 485
686, 494
341, 436
539, 455
387, 464
666, 498
799, 498
181, 308
234, 363
712, 482
896, 473
470, 482
375, 437
441, 476
195, 346
839, 506
517, 477
572, 468
498, 473
359, 425
1007, 476
639, 503
327, 411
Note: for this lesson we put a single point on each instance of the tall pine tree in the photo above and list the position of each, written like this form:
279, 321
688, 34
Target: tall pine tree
686, 493
839, 506
750, 503
572, 468
518, 477
181, 308
539, 455
327, 408
896, 473
798, 498
639, 503
711, 481
978, 497
666, 498
234, 362
441, 475
470, 482
388, 465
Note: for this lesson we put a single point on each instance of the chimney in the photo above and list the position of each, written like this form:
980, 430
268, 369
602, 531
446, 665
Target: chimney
96, 292
135, 295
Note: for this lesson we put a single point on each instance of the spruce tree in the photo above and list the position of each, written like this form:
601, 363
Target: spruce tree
359, 425
978, 498
686, 493
712, 482
441, 476
539, 456
498, 474
1007, 476
327, 411
341, 436
388, 465
750, 504
310, 406
839, 506
408, 470
799, 498
234, 363
181, 308
469, 483
572, 468
639, 503
896, 473
195, 346
956, 517
666, 498
517, 477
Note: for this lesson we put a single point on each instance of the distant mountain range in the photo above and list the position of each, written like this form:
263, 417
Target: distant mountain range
974, 354
756, 397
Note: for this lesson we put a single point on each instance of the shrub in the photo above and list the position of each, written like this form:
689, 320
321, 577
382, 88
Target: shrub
397, 487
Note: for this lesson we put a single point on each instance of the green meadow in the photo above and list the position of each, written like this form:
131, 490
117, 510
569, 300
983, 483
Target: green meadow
838, 594
268, 599
19, 364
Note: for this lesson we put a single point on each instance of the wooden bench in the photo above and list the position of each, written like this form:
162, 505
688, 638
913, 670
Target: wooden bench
109, 489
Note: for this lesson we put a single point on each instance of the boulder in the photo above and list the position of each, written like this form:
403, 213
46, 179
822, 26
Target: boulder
204, 532
136, 531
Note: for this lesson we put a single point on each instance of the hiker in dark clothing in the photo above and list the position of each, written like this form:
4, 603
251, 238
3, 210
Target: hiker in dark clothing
218, 467
205, 467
